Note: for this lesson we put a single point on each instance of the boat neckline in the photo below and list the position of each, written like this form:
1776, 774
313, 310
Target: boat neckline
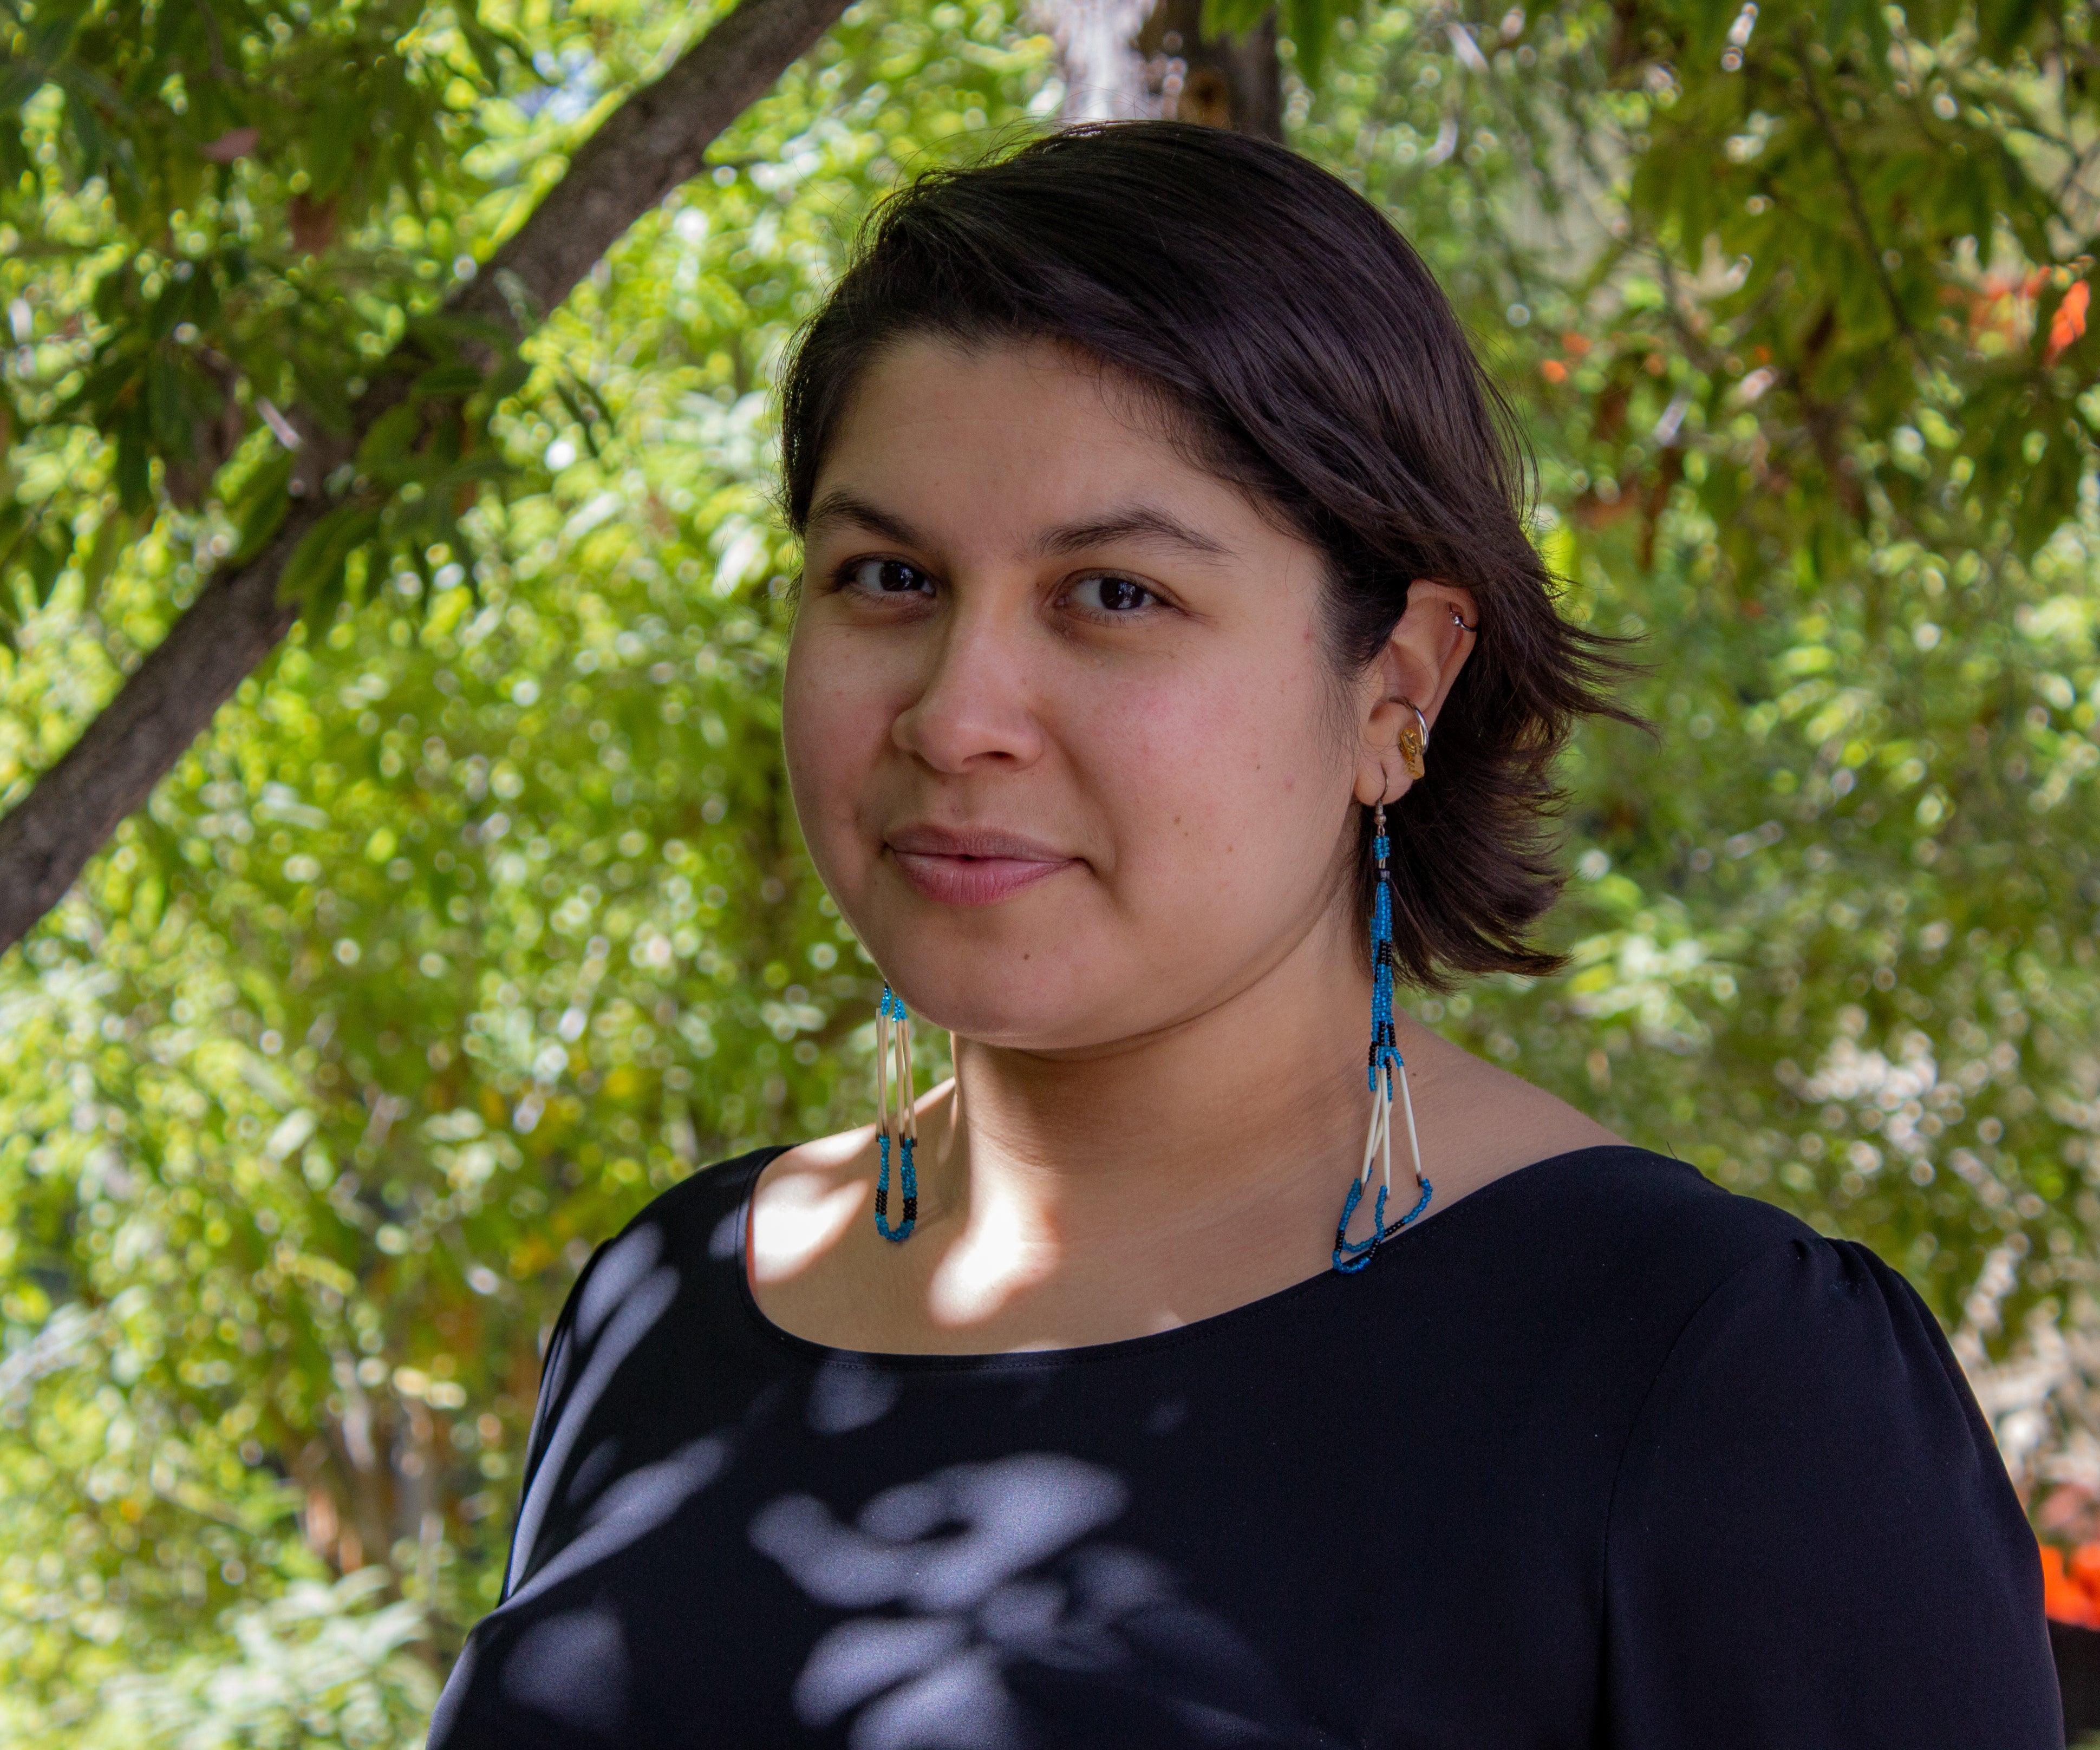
1495, 1191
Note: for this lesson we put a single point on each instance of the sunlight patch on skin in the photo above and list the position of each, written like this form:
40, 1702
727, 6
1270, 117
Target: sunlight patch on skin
1000, 1260
806, 1210
999, 1257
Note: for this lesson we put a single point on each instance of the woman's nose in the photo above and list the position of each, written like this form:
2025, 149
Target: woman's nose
976, 709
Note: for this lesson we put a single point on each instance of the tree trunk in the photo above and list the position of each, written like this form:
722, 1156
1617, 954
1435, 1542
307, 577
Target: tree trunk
1220, 82
1124, 60
648, 145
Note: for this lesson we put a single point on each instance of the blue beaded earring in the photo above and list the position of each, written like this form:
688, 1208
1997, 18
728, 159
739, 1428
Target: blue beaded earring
893, 1069
1386, 1069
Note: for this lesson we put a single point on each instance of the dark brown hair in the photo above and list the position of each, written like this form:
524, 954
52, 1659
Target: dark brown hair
1302, 349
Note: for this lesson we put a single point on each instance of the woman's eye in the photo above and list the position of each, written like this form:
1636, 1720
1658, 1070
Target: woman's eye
886, 577
1112, 595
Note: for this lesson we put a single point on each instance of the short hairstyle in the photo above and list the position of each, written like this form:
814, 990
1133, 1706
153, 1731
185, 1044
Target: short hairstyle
1305, 353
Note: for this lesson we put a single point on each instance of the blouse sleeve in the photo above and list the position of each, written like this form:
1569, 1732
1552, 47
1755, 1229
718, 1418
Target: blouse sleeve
555, 1367
1813, 1543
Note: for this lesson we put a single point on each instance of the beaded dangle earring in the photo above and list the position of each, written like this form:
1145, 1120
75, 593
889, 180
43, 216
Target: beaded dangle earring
1386, 1069
892, 1069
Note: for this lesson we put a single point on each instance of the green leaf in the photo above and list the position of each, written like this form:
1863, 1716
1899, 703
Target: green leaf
45, 558
322, 390
1235, 18
264, 501
167, 406
1837, 18
172, 305
2002, 25
112, 536
447, 380
389, 437
329, 145
49, 36
585, 415
316, 568
110, 292
510, 376
483, 44
134, 487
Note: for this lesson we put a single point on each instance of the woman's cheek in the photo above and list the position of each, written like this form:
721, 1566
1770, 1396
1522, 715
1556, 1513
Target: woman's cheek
1263, 789
1165, 764
825, 731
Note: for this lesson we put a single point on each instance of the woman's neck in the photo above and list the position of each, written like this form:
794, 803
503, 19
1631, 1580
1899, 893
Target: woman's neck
1187, 1124
1160, 1179
1080, 1198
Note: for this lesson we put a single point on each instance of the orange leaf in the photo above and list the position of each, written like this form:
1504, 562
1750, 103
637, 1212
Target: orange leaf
235, 143
313, 222
2061, 1596
1554, 370
2069, 321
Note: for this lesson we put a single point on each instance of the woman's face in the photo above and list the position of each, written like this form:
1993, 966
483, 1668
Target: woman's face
1063, 738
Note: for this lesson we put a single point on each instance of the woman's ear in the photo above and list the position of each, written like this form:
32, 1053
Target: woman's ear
1412, 673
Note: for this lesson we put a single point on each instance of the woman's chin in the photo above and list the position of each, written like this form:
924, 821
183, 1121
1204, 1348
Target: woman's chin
1002, 1005
986, 1018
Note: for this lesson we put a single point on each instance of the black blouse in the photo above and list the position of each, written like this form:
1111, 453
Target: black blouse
1601, 1456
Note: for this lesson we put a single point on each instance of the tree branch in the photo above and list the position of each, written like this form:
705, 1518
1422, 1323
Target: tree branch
646, 148
1853, 198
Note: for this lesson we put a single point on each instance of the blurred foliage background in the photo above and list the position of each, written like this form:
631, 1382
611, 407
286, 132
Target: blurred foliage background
479, 916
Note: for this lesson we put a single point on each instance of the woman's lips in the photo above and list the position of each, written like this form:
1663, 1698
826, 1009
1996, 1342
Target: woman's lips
972, 868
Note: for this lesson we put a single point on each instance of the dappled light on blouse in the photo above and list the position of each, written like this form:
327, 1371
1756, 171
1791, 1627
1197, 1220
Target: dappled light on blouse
980, 1587
1179, 1540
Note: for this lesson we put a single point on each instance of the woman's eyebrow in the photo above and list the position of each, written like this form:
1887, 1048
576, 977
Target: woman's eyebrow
839, 506
1140, 522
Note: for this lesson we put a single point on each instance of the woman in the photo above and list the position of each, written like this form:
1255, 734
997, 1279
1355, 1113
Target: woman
1171, 665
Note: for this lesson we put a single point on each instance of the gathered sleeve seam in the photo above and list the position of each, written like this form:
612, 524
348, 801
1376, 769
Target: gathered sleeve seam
1640, 1412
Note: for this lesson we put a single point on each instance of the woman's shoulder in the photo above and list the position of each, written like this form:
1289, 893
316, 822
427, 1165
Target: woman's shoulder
1728, 1293
1644, 1260
699, 1215
681, 1231
1616, 1210
1807, 1486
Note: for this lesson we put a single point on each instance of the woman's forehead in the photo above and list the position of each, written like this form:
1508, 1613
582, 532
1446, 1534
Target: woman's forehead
1068, 456
984, 387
